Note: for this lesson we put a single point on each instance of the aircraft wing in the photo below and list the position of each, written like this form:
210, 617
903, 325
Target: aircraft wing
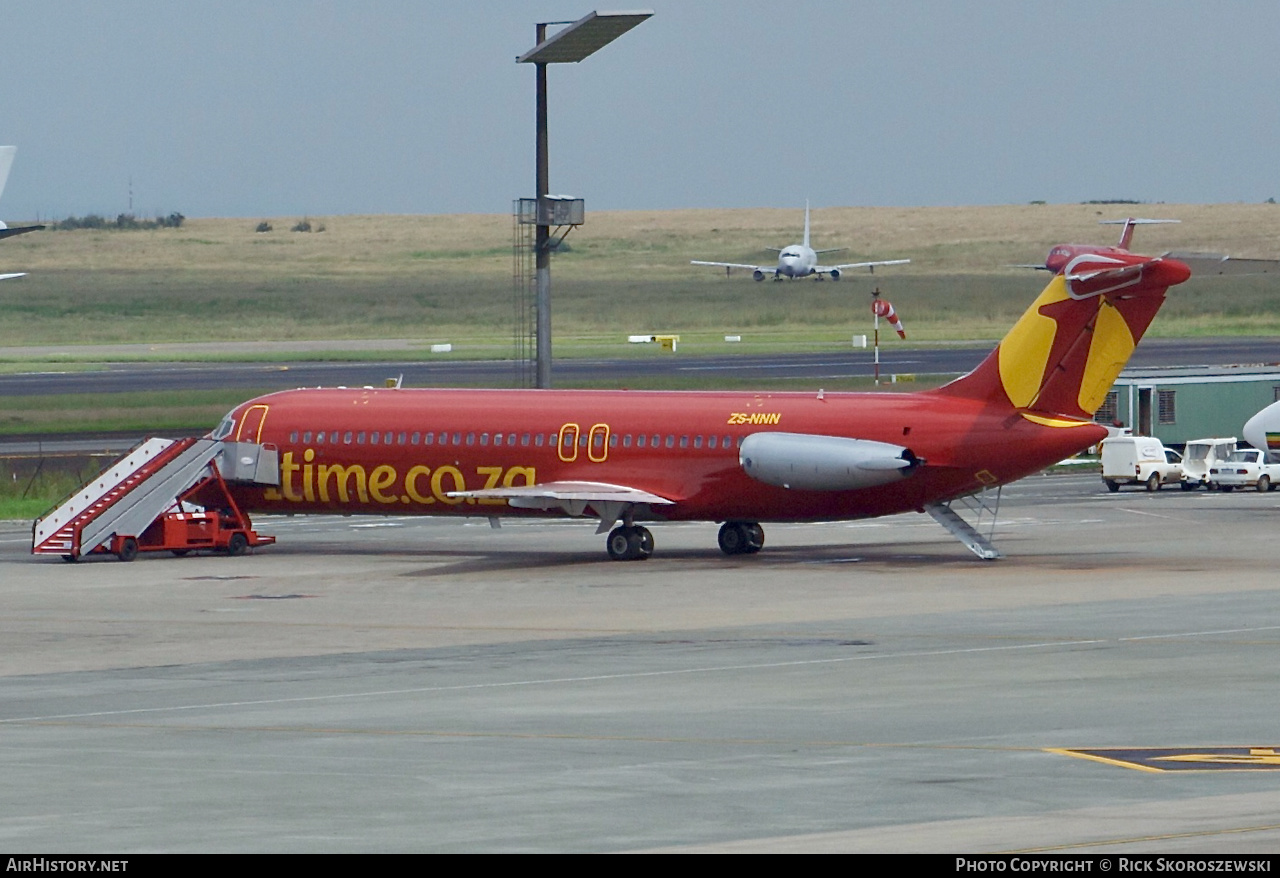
607, 501
1211, 264
867, 265
9, 233
767, 269
7, 276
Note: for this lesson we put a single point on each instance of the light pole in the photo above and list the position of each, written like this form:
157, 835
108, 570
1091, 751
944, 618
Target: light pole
580, 39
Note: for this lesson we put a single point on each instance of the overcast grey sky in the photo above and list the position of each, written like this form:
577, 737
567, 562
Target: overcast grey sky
238, 108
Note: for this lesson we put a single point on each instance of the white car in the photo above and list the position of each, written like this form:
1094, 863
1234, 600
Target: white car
1246, 468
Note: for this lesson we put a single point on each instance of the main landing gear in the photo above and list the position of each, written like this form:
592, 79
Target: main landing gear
630, 543
741, 537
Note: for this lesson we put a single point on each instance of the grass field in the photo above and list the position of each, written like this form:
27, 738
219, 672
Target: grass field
449, 278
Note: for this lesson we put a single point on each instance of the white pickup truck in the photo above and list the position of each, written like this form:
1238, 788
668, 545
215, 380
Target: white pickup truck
1246, 468
1139, 460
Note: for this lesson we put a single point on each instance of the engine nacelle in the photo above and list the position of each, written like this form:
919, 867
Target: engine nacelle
835, 274
806, 462
757, 274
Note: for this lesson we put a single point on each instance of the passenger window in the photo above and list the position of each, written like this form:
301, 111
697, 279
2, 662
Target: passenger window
640, 441
373, 440
711, 441
360, 438
484, 439
497, 439
457, 438
511, 439
306, 438
671, 441
537, 440
428, 438
413, 439
346, 438
684, 441
471, 438
524, 439
697, 441
626, 441
320, 438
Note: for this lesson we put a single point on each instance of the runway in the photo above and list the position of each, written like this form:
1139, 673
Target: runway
392, 684
765, 368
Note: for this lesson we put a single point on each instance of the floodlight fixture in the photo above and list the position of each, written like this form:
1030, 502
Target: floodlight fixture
577, 41
587, 35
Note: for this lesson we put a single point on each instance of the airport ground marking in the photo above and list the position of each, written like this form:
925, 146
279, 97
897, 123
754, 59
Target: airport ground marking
552, 681
1163, 760
635, 675
1204, 833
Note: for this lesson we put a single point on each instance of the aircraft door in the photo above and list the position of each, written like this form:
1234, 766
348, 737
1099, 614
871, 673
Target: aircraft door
567, 443
598, 446
250, 428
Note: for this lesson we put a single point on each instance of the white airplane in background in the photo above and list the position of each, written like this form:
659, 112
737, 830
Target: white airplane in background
1262, 431
801, 260
6, 161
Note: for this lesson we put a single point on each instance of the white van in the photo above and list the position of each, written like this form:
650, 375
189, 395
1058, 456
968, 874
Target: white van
1199, 456
1139, 460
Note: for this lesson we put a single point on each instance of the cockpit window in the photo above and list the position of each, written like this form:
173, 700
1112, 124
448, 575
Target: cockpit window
225, 428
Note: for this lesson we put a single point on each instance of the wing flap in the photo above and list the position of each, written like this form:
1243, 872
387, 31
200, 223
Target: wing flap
550, 495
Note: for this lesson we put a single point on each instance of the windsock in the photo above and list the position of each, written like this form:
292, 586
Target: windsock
882, 308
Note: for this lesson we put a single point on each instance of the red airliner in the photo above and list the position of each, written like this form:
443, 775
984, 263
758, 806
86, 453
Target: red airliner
1071, 259
625, 457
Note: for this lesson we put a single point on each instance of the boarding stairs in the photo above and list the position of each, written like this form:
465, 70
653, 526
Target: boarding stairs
129, 496
984, 507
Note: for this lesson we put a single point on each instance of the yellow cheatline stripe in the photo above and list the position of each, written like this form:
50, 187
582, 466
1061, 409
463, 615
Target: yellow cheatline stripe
1055, 422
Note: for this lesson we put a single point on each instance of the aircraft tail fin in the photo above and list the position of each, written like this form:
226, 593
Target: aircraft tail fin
6, 162
1064, 354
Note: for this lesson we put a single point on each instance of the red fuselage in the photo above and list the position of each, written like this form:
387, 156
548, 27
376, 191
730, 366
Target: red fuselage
403, 451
